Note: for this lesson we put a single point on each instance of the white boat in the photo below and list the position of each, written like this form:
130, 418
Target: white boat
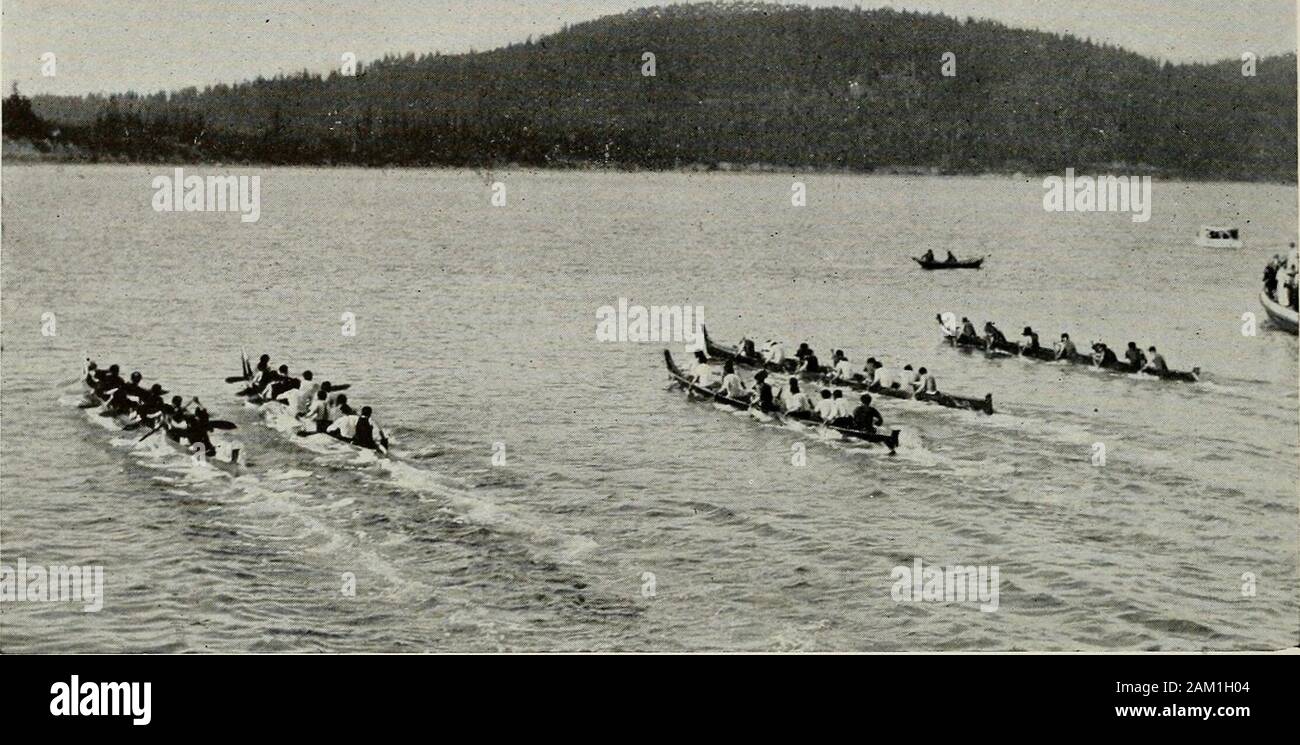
1282, 316
1214, 236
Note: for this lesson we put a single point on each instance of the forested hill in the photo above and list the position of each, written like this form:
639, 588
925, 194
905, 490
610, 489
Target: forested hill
738, 84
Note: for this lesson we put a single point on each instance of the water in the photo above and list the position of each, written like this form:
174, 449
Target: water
475, 326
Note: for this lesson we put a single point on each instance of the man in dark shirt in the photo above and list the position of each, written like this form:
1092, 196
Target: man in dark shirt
865, 416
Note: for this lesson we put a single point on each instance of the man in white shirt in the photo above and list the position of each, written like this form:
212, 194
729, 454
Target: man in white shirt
884, 378
775, 353
701, 374
843, 370
794, 399
732, 387
826, 407
910, 378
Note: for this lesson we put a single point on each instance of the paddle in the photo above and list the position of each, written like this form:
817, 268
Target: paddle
236, 379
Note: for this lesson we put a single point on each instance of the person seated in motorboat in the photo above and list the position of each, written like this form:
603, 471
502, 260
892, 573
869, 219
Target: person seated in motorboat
1066, 350
865, 416
1155, 362
1103, 356
794, 399
732, 387
747, 349
1136, 360
928, 256
993, 336
1028, 340
842, 410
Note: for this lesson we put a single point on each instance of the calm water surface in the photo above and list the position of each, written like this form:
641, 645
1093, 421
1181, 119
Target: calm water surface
475, 326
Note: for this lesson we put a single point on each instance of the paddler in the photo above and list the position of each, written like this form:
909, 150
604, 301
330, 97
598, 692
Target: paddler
951, 259
701, 373
826, 407
909, 379
747, 349
1066, 349
198, 429
1028, 340
732, 387
358, 429
1155, 363
803, 351
967, 331
870, 369
795, 400
993, 336
865, 416
760, 393
843, 412
843, 369
775, 353
283, 383
808, 362
1103, 356
927, 385
107, 381
928, 256
1136, 360
319, 411
299, 397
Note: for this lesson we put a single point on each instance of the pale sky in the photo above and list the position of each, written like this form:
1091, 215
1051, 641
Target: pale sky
149, 45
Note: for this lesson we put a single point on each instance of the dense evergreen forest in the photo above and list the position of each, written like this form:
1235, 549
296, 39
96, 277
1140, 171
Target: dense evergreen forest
735, 84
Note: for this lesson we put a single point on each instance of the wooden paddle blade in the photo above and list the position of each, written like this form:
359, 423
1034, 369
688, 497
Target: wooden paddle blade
236, 379
221, 424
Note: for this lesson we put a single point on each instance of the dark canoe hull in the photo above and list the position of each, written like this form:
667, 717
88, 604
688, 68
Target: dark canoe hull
890, 440
722, 352
1282, 316
1044, 354
933, 265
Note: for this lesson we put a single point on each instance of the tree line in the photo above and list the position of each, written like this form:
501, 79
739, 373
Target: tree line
739, 84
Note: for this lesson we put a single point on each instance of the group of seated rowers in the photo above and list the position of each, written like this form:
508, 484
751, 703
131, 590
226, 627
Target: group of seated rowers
319, 403
876, 375
1102, 355
831, 407
928, 257
127, 398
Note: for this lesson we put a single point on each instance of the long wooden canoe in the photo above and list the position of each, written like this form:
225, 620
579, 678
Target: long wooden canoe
723, 352
680, 378
1047, 354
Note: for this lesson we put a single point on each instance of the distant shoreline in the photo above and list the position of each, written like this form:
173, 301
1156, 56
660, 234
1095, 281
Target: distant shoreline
23, 152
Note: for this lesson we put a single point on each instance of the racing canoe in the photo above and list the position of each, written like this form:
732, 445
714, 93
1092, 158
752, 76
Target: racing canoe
723, 352
678, 377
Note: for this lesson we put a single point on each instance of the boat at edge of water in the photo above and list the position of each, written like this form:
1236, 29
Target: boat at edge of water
1283, 317
947, 400
890, 440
